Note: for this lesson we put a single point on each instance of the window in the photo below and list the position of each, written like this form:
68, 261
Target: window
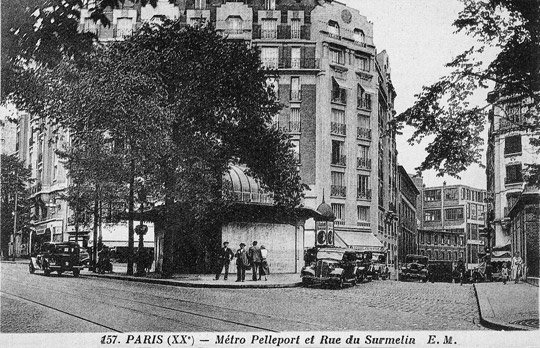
363, 99
432, 195
338, 122
359, 37
338, 153
451, 194
55, 165
333, 30
270, 4
337, 178
269, 28
124, 27
363, 213
363, 189
513, 174
295, 57
363, 63
339, 95
200, 4
270, 57
295, 28
364, 162
429, 254
337, 57
234, 25
512, 198
512, 144
295, 88
454, 214
339, 212
294, 120
432, 215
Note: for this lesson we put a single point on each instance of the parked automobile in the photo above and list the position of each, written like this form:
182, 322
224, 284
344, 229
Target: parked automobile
84, 257
364, 267
415, 268
57, 257
332, 266
441, 270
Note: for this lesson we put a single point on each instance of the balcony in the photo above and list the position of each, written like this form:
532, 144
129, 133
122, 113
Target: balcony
299, 63
363, 194
111, 32
363, 133
291, 127
296, 95
339, 160
364, 103
35, 188
268, 34
363, 163
270, 63
339, 95
338, 128
39, 158
338, 191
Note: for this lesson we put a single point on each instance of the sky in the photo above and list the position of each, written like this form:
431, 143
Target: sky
419, 38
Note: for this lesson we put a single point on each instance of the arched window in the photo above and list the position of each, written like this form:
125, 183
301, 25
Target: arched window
359, 37
333, 30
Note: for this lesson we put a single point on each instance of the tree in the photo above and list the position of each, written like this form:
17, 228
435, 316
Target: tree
14, 179
442, 110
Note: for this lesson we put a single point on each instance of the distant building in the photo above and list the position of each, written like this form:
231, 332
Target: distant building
453, 218
407, 211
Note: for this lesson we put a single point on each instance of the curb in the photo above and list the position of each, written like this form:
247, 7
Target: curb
492, 323
188, 284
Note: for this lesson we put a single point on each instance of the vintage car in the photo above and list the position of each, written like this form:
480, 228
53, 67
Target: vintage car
331, 266
415, 268
364, 267
57, 257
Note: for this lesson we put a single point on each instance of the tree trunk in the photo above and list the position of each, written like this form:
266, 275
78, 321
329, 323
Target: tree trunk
169, 226
96, 223
131, 232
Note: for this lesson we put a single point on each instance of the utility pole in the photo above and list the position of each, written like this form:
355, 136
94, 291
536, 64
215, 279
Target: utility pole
15, 219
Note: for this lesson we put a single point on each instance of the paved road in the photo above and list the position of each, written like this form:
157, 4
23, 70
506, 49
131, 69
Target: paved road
36, 303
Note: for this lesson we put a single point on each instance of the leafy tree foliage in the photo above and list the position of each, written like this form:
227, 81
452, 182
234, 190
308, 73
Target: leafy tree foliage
442, 110
14, 179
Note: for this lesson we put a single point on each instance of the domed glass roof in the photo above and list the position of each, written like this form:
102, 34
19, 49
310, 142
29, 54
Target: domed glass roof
246, 188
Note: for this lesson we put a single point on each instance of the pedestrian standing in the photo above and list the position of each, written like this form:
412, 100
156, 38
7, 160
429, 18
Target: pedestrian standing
241, 263
264, 270
504, 273
517, 263
255, 259
225, 255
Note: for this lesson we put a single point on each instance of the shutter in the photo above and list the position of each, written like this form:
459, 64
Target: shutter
305, 32
307, 55
256, 31
281, 57
255, 16
287, 56
281, 32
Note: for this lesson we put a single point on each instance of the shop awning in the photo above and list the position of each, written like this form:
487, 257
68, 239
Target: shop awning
501, 254
368, 90
364, 241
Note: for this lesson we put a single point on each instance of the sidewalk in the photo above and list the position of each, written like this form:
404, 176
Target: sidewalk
287, 280
508, 307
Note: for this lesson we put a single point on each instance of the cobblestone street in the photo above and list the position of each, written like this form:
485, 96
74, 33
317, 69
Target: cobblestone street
36, 303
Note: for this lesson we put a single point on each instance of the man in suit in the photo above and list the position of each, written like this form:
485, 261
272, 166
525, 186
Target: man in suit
225, 255
241, 263
255, 258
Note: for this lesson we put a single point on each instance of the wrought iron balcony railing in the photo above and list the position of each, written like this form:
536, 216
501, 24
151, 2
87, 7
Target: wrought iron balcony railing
338, 191
339, 160
363, 163
363, 133
363, 194
338, 128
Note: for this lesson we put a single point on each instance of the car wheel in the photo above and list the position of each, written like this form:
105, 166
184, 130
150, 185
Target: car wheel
353, 283
31, 268
341, 283
76, 272
59, 272
47, 271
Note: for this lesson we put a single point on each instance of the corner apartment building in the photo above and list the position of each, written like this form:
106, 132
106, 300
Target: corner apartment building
453, 218
513, 205
337, 95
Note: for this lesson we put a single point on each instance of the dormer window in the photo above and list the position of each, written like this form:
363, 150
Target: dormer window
333, 30
359, 37
234, 25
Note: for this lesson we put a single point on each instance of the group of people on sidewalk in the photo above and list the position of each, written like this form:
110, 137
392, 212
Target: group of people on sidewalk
516, 268
255, 259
